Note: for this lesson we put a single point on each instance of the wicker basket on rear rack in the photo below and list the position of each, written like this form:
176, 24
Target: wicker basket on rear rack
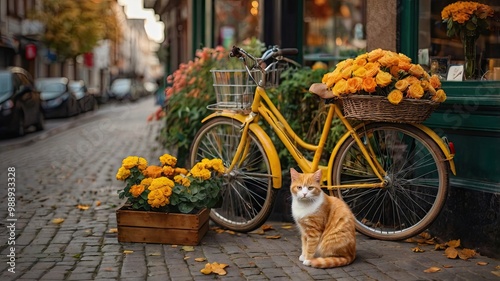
234, 89
378, 108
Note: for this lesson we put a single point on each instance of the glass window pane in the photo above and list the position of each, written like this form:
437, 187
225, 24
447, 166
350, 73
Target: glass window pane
433, 37
334, 29
236, 20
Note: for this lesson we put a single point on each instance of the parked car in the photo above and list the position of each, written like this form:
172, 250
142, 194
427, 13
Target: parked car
125, 88
57, 98
86, 100
20, 103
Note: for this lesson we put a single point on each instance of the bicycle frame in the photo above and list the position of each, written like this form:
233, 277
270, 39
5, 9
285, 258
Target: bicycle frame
262, 106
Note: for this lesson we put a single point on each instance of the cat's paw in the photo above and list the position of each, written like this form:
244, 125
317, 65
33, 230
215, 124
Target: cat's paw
302, 258
307, 262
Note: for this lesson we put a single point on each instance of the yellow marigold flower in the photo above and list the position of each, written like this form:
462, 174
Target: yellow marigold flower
369, 84
203, 174
182, 180
346, 73
130, 162
218, 166
395, 96
167, 159
372, 68
136, 190
340, 87
375, 55
180, 171
389, 59
435, 81
416, 70
122, 174
440, 96
146, 182
404, 59
383, 78
354, 84
415, 91
159, 197
402, 85
343, 64
161, 182
360, 72
153, 171
331, 78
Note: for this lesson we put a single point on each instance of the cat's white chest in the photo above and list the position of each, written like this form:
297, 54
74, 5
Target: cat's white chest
304, 208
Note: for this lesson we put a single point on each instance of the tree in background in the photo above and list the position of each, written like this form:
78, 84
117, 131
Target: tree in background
73, 27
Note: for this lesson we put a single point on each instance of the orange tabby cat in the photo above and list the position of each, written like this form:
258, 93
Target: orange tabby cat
326, 223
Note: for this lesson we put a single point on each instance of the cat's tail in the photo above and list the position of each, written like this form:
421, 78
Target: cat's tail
331, 262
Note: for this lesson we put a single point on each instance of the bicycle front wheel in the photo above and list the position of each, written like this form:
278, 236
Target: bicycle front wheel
416, 176
247, 192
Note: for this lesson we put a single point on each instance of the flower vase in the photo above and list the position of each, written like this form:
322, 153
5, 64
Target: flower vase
470, 65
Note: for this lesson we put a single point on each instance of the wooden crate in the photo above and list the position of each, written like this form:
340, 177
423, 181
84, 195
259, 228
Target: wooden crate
163, 228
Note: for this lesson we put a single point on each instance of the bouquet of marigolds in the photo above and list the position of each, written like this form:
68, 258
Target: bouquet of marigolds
384, 73
467, 17
169, 188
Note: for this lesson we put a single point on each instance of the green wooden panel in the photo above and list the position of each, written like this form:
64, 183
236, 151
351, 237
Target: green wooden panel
470, 118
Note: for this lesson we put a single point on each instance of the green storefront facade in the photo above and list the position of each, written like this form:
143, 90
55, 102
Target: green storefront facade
470, 117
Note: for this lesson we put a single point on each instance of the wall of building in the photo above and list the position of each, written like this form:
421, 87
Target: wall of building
381, 24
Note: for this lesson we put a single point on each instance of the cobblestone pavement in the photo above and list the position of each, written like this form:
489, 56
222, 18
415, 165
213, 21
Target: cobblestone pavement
78, 165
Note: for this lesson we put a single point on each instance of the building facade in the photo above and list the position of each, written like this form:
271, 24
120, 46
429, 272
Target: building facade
332, 30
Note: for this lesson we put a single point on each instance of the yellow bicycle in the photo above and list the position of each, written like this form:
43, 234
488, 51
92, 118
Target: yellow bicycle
394, 176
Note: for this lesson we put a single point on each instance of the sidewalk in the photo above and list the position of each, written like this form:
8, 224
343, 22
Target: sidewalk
55, 174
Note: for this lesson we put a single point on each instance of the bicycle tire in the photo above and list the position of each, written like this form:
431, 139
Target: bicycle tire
247, 192
416, 173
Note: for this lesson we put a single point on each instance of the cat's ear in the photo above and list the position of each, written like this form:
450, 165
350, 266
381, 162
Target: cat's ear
317, 176
294, 174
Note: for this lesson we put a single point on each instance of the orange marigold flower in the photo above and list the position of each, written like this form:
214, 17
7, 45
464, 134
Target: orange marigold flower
369, 84
136, 190
354, 84
152, 171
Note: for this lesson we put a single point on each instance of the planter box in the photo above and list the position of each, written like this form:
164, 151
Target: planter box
163, 228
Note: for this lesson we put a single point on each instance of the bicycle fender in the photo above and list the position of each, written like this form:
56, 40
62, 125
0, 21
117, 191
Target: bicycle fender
265, 140
448, 156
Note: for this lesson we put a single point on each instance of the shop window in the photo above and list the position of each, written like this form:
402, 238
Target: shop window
334, 29
436, 49
237, 20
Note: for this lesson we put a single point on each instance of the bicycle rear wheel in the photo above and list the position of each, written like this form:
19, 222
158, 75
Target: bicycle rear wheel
247, 192
416, 174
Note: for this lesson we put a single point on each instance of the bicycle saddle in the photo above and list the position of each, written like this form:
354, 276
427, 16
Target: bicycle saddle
321, 90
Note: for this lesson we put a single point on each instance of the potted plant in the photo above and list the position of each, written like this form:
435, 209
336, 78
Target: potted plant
166, 203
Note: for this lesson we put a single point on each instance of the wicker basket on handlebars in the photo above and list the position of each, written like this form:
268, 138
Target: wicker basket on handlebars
378, 108
234, 89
